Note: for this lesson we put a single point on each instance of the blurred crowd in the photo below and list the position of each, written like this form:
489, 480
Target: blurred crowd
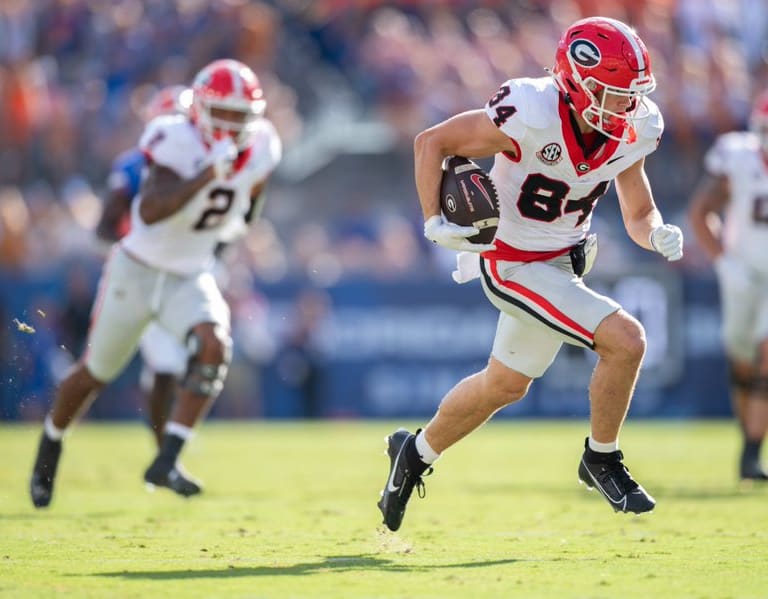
74, 75
348, 84
421, 61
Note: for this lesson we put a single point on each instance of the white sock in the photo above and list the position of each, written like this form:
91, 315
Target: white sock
179, 430
53, 432
426, 453
603, 447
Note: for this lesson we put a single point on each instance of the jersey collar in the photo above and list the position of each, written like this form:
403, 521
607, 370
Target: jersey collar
583, 161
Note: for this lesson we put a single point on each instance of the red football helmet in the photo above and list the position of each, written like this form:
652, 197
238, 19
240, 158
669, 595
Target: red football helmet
173, 99
758, 120
598, 58
227, 100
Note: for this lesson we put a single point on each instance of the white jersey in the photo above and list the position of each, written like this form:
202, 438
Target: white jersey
738, 157
548, 192
184, 242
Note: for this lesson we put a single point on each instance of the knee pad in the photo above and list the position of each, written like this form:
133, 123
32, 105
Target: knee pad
740, 381
757, 384
760, 386
207, 379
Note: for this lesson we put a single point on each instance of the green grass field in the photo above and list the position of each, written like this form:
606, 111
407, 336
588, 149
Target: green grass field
289, 511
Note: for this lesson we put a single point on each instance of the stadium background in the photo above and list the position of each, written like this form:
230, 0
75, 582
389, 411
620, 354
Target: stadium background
340, 308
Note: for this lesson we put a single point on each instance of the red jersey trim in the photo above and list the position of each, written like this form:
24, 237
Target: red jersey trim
507, 253
509, 156
543, 307
581, 164
242, 159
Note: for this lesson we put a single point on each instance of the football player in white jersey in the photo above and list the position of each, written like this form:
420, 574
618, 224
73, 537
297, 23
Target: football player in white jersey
558, 142
206, 175
729, 216
163, 355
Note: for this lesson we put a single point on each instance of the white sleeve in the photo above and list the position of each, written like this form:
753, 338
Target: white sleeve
267, 152
168, 143
717, 159
504, 109
649, 127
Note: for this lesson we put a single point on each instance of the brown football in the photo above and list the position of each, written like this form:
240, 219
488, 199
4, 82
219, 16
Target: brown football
468, 197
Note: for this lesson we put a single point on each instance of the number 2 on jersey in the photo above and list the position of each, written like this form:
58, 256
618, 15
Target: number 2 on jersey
220, 199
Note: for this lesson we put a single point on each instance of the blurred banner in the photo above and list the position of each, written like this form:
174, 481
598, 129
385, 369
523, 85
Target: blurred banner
393, 350
366, 348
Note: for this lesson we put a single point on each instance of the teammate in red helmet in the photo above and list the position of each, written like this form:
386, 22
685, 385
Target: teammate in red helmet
205, 177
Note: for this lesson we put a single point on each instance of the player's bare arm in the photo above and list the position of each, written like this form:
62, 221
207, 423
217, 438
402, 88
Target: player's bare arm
637, 206
471, 134
118, 204
709, 199
164, 192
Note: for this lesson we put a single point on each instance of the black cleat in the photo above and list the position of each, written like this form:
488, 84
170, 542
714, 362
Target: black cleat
44, 471
173, 478
607, 473
752, 470
401, 480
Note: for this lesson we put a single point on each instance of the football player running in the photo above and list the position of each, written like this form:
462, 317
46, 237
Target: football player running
206, 172
163, 355
558, 142
729, 217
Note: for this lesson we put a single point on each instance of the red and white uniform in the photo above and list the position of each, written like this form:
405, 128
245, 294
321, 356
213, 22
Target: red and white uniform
547, 194
739, 157
160, 273
184, 242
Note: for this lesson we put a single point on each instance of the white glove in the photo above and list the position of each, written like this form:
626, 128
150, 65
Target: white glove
221, 156
732, 272
467, 267
450, 235
667, 240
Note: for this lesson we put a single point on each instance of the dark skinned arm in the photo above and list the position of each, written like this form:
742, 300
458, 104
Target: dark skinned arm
163, 192
117, 205
710, 197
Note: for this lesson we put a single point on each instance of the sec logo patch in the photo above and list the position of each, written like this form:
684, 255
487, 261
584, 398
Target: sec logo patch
550, 154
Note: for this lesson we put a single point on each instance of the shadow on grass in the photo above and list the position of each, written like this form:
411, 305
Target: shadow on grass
335, 563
